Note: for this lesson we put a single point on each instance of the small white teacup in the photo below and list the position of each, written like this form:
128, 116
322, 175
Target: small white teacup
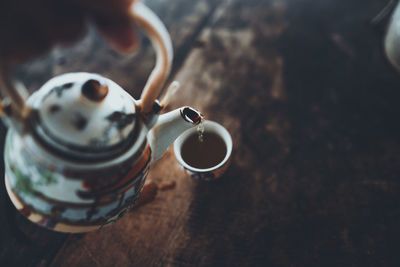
206, 160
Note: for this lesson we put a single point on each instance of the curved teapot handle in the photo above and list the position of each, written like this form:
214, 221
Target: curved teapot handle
161, 41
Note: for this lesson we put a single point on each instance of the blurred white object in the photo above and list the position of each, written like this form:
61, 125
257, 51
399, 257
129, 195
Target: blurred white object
392, 38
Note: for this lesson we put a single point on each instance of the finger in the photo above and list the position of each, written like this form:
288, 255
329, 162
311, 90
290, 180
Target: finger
37, 28
61, 23
17, 33
119, 32
24, 40
105, 7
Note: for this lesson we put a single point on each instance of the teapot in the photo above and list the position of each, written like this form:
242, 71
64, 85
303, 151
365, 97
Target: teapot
79, 149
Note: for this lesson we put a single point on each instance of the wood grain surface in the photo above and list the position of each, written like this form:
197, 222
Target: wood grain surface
312, 106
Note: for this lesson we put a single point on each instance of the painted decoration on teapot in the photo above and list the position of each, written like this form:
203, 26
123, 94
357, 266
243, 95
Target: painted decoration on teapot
72, 197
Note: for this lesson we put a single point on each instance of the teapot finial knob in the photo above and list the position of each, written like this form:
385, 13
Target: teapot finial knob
95, 90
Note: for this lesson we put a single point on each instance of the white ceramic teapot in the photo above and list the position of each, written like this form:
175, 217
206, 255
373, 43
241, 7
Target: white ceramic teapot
79, 149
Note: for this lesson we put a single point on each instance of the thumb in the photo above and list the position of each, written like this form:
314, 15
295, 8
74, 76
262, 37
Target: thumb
119, 32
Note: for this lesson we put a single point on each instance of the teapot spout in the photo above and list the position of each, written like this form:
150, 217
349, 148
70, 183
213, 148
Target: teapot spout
169, 126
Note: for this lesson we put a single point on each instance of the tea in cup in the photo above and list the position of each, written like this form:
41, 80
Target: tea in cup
204, 153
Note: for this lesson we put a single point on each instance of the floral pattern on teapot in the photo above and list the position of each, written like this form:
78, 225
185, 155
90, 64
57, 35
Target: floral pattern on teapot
60, 199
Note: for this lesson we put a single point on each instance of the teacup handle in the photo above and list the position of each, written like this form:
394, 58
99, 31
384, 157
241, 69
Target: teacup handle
18, 111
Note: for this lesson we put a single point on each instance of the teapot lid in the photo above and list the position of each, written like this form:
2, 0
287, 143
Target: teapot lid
84, 113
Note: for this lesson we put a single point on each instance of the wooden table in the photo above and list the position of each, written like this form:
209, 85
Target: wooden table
312, 105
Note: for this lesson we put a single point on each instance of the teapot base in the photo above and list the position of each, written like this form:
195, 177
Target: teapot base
46, 221
73, 199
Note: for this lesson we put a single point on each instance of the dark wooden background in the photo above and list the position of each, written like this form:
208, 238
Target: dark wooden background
313, 107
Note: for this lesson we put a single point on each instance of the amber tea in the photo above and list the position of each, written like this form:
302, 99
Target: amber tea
205, 160
205, 153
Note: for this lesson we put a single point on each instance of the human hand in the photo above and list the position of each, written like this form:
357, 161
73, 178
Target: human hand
29, 28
